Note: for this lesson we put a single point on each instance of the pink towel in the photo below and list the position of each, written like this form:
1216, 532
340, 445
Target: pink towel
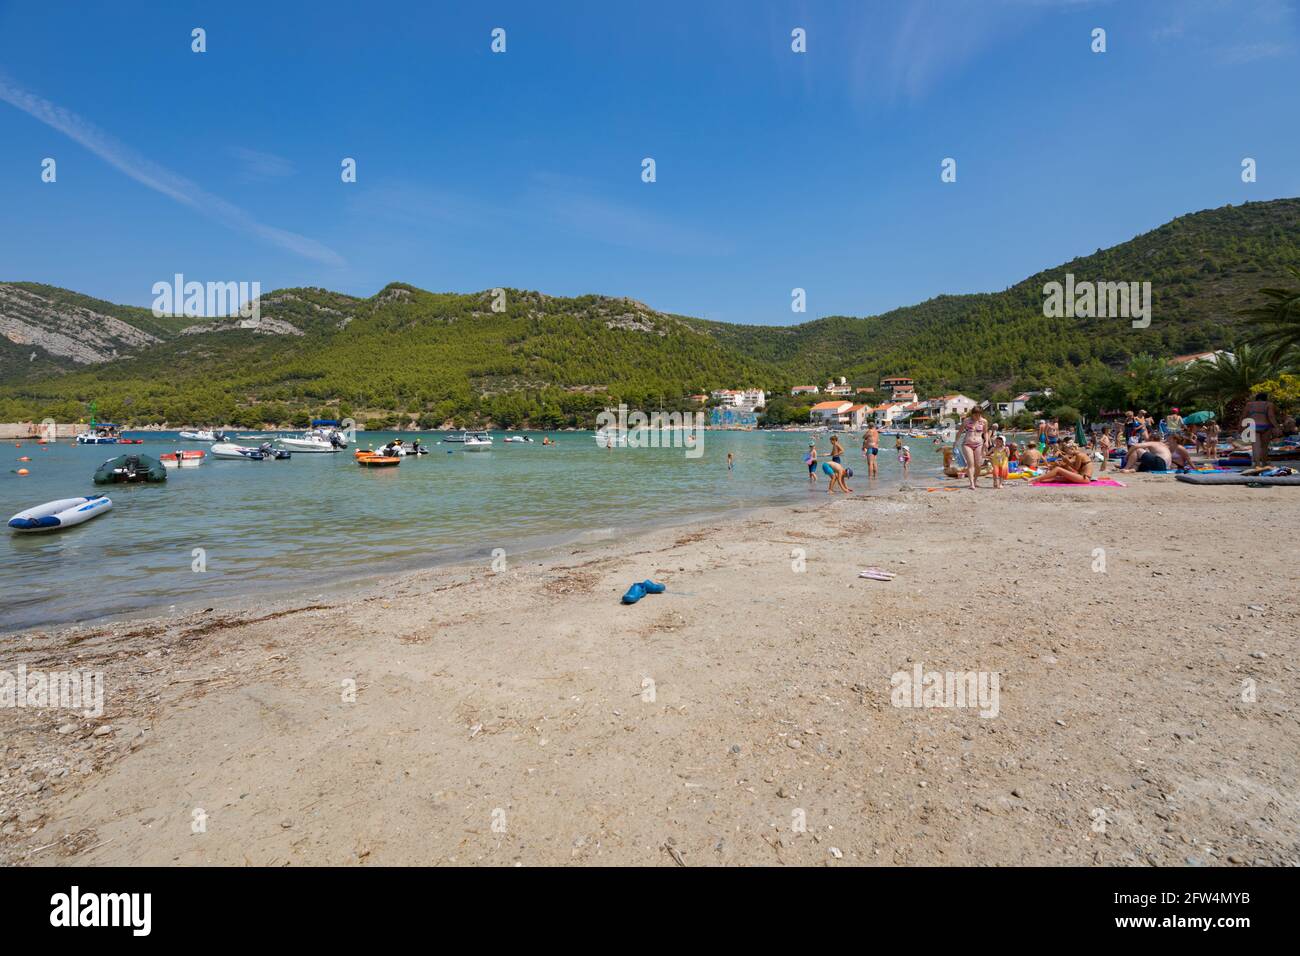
1100, 482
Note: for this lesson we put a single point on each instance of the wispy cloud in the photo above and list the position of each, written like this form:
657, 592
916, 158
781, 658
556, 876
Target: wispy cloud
1232, 34
148, 173
257, 166
905, 51
547, 204
579, 206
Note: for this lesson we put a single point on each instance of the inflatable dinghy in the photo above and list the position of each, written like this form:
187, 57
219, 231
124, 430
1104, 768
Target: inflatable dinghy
130, 468
1234, 478
63, 513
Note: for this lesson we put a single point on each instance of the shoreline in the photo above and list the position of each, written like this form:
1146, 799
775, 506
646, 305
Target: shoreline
524, 692
543, 544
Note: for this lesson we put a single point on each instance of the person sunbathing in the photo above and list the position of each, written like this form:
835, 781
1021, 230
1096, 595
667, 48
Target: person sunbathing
1030, 458
1073, 465
1157, 456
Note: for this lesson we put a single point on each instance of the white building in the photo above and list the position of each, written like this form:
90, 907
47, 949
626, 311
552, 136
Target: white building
952, 406
830, 413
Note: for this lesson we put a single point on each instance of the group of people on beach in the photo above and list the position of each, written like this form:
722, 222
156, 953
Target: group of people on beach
985, 450
979, 447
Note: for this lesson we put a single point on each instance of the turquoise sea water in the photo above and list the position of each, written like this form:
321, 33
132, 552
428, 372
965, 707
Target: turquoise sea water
321, 520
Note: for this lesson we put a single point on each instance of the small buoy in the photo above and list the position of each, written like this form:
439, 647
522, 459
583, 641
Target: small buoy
24, 458
22, 471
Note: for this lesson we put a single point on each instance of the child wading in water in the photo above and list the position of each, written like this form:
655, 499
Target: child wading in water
837, 473
811, 462
905, 458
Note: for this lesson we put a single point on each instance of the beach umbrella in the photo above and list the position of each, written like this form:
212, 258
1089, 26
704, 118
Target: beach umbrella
1080, 438
1198, 418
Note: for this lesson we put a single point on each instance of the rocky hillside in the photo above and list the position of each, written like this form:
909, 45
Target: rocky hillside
412, 355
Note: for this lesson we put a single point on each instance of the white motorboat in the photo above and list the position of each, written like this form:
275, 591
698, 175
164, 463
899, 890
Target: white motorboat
323, 436
233, 452
203, 434
313, 441
611, 439
99, 433
182, 459
63, 513
478, 441
517, 439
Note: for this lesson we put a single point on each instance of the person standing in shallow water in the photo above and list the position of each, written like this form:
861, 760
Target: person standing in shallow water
837, 450
871, 448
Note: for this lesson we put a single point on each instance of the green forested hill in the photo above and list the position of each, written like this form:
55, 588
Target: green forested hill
435, 357
1203, 269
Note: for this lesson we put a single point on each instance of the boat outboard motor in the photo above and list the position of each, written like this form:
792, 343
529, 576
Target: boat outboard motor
265, 448
336, 441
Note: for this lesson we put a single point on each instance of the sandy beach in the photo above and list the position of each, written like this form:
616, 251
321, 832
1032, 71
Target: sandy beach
742, 717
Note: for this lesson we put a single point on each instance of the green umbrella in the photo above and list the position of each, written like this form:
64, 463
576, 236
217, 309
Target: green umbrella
1079, 437
1198, 418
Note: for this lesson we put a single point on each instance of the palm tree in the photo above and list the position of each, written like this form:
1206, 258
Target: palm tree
1148, 380
1277, 321
1228, 380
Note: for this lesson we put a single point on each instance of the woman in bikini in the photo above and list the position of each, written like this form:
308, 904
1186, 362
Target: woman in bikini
1263, 414
972, 437
1074, 466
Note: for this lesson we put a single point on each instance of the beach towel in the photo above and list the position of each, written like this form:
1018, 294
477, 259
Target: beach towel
1236, 478
1095, 483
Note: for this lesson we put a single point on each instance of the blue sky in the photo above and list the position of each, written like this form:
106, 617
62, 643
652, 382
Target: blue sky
774, 169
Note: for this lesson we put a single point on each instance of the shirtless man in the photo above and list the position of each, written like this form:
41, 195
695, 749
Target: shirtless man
1156, 456
1030, 458
871, 448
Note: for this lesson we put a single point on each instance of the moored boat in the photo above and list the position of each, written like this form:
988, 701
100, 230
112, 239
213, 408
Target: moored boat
63, 513
203, 434
182, 459
378, 461
478, 441
129, 469
323, 436
99, 433
232, 452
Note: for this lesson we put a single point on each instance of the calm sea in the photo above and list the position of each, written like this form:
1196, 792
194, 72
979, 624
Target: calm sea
321, 521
